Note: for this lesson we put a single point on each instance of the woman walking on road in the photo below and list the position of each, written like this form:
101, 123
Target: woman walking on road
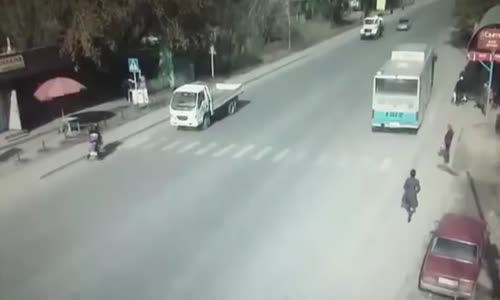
411, 189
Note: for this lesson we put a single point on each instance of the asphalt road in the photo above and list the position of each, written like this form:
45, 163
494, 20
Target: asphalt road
291, 198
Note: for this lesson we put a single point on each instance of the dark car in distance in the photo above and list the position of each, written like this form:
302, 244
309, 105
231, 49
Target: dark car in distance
403, 24
452, 263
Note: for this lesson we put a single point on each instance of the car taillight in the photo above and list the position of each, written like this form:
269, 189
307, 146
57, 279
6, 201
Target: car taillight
429, 279
373, 113
466, 285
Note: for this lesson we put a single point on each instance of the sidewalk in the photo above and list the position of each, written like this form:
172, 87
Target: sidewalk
477, 185
34, 168
47, 140
444, 188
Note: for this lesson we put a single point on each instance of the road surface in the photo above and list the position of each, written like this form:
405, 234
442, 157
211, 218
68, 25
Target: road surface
291, 198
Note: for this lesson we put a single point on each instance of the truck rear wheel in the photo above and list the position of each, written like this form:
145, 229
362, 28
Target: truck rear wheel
206, 122
231, 106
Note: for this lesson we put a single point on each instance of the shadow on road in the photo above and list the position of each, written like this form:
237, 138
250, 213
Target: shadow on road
110, 148
90, 117
221, 114
408, 131
447, 169
7, 155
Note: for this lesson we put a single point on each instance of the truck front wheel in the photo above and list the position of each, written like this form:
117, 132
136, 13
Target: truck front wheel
206, 122
231, 107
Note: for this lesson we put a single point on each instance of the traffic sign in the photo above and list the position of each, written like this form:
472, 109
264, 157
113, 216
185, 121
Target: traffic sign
212, 50
133, 65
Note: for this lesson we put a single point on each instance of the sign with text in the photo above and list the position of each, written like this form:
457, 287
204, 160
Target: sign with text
11, 63
489, 39
483, 56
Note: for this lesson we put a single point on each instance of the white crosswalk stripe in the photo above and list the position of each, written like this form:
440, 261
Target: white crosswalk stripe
171, 146
280, 156
188, 147
335, 159
224, 150
262, 153
206, 149
243, 151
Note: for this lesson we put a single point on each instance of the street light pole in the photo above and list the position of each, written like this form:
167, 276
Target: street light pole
289, 17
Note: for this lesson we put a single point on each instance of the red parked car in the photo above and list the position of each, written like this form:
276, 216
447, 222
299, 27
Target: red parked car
453, 260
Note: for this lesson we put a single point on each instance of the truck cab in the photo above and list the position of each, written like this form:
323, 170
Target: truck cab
373, 27
194, 105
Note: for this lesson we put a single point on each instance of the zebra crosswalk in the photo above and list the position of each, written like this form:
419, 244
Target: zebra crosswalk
269, 153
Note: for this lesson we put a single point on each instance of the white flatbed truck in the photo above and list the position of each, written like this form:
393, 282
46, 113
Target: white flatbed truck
195, 104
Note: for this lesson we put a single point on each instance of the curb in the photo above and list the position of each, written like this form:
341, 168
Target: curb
475, 195
276, 69
83, 157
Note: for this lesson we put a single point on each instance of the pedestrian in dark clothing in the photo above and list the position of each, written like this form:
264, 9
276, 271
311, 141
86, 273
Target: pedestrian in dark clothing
448, 139
411, 189
460, 91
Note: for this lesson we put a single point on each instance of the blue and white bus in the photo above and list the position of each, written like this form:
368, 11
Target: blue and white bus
402, 87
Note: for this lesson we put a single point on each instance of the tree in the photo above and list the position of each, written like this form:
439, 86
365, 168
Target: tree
469, 12
109, 25
332, 10
30, 23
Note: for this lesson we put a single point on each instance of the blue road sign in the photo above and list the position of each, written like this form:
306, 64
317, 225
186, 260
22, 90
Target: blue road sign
133, 65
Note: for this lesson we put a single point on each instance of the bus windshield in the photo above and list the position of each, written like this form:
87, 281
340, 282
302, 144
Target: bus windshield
408, 87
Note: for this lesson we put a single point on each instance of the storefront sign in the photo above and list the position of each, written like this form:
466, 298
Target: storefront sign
483, 56
489, 39
11, 63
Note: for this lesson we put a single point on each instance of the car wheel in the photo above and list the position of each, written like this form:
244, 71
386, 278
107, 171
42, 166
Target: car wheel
231, 107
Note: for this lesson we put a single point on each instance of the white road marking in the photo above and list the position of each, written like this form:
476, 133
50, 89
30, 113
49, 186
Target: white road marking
386, 164
206, 149
262, 153
243, 151
188, 147
171, 146
280, 156
224, 150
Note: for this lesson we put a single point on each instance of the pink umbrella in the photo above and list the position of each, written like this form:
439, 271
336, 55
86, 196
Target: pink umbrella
58, 87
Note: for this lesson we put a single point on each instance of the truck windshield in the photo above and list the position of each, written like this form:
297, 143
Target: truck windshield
408, 87
184, 101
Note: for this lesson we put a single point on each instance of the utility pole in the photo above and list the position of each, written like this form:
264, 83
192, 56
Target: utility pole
289, 17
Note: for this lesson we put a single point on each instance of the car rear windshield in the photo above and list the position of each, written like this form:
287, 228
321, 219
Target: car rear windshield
403, 21
369, 21
454, 250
